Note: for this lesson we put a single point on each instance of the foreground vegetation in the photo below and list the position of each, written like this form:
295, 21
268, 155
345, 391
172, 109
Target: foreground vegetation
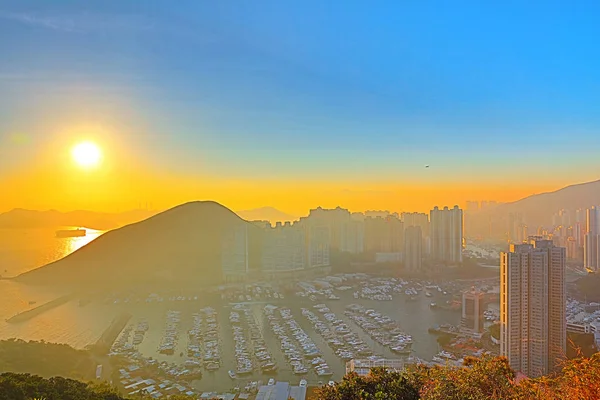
479, 379
45, 359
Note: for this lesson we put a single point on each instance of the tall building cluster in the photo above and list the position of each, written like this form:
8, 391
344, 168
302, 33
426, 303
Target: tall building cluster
308, 243
532, 306
578, 231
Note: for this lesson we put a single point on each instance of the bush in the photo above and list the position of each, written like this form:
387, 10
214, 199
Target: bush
479, 379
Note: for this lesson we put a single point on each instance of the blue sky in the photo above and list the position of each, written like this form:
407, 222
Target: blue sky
283, 90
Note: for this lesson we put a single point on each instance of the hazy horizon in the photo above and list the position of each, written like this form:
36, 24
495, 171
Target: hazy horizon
371, 199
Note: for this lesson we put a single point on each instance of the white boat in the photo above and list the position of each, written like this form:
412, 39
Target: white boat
303, 383
231, 374
271, 382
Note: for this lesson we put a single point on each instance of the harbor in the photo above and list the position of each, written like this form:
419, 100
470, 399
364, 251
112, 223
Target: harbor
247, 335
238, 336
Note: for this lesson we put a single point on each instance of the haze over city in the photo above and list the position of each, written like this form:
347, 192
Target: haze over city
281, 200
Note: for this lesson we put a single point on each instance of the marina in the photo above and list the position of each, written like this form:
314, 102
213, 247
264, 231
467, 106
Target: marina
244, 335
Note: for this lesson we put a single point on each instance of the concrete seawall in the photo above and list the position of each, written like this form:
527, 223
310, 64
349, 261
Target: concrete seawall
26, 315
111, 333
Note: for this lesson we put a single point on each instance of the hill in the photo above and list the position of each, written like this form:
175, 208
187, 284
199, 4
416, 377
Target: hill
21, 218
538, 209
266, 214
180, 246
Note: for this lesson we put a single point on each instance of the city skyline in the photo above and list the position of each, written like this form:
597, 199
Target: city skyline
211, 100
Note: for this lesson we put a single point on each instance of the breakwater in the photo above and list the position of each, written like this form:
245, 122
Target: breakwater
26, 315
111, 333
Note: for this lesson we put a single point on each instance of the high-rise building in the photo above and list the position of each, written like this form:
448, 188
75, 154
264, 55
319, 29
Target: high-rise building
515, 227
413, 248
317, 246
532, 306
562, 217
591, 244
346, 234
283, 248
384, 235
473, 306
580, 215
235, 254
416, 219
446, 231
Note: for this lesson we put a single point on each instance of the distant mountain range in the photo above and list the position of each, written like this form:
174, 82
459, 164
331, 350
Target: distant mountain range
266, 214
539, 208
24, 219
21, 218
181, 246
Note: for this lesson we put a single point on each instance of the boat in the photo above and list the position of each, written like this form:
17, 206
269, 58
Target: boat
428, 294
269, 368
231, 374
401, 349
67, 233
212, 366
433, 305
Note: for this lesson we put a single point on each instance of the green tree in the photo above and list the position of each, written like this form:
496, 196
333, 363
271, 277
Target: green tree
495, 331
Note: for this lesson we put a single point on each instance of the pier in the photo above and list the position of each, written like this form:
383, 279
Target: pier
26, 315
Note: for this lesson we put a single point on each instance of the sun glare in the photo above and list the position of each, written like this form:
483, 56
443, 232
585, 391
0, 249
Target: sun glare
86, 154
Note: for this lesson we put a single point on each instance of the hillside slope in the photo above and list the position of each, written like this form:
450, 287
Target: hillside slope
538, 209
182, 245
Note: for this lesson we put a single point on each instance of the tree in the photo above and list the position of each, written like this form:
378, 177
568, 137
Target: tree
495, 331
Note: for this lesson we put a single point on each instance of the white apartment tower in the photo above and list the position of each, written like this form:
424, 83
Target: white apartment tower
283, 248
591, 243
446, 231
532, 306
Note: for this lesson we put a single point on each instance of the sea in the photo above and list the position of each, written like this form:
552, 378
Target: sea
22, 250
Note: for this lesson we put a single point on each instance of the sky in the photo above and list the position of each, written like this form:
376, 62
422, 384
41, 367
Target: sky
296, 104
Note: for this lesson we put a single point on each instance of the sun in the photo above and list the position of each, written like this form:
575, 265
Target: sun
86, 154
